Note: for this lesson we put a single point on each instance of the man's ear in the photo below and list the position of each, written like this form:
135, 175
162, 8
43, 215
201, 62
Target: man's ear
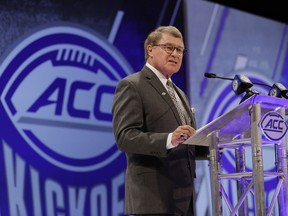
149, 50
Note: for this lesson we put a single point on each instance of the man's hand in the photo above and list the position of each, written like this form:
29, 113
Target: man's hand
181, 134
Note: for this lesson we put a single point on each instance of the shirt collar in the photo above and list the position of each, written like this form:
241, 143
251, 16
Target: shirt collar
160, 76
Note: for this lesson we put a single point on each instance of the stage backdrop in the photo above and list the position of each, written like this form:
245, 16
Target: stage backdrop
227, 42
60, 64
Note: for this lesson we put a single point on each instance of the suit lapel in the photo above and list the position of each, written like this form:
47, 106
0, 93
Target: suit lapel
158, 86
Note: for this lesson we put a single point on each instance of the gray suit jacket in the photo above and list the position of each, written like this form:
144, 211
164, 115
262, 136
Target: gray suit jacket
157, 180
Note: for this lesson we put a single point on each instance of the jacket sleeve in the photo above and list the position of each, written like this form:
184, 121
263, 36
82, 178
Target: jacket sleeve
129, 123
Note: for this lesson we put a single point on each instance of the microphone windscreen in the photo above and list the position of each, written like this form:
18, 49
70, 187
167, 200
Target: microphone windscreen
278, 90
210, 75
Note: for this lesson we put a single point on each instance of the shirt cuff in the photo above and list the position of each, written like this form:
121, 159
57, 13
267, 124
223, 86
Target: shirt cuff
169, 142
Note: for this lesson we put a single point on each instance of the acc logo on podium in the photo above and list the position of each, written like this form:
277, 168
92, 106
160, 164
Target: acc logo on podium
273, 126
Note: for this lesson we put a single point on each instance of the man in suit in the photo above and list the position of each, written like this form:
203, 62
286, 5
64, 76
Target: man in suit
148, 127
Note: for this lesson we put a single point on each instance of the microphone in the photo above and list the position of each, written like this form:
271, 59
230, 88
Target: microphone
242, 84
278, 90
213, 75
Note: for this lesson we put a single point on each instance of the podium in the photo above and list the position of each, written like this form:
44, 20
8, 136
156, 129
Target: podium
238, 130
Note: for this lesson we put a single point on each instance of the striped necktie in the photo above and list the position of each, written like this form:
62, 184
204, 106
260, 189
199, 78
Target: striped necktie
171, 92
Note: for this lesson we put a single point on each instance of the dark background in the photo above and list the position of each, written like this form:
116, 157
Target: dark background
276, 10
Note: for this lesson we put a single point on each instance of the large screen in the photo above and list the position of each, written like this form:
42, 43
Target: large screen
229, 42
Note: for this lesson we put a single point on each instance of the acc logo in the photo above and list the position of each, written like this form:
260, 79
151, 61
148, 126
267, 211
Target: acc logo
58, 88
273, 126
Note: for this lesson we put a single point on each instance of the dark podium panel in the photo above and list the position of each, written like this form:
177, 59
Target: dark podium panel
240, 129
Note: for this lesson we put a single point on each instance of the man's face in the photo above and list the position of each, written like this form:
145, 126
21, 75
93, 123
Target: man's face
166, 56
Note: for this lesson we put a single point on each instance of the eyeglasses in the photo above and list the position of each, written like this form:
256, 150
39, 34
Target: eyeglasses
170, 49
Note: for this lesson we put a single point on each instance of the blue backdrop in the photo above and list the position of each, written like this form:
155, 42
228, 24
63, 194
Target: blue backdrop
60, 64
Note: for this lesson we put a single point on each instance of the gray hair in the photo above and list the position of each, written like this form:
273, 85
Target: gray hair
155, 36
